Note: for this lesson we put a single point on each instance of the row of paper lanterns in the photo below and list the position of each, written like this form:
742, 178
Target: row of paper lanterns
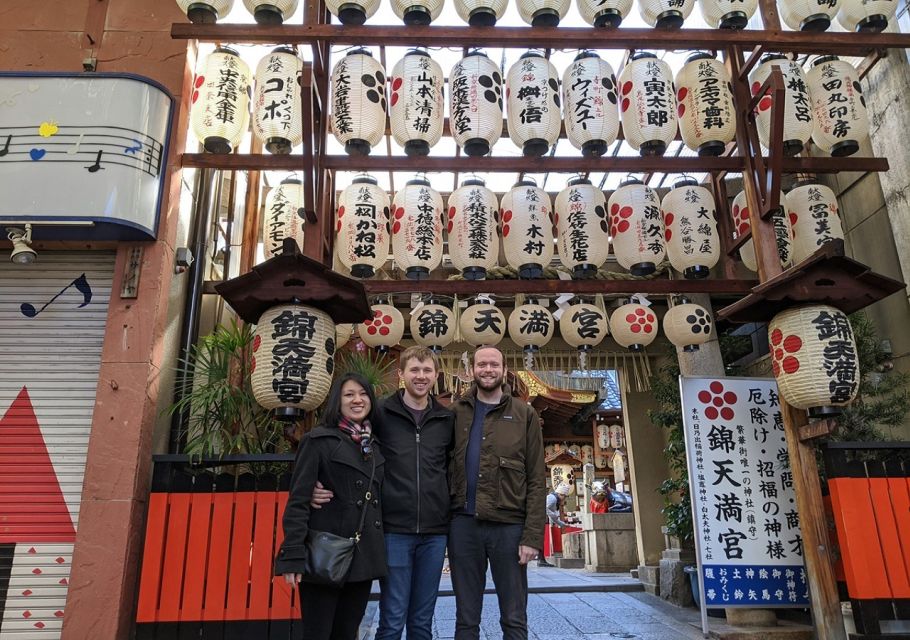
809, 15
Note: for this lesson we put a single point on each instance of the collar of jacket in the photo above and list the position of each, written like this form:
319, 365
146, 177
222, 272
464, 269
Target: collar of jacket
347, 451
395, 403
471, 396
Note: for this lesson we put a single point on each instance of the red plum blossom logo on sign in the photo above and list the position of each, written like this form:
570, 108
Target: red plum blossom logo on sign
782, 348
379, 323
718, 402
640, 321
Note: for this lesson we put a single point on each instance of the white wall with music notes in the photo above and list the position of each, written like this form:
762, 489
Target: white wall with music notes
83, 147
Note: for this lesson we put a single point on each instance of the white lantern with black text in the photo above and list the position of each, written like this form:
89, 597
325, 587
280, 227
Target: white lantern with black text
604, 13
416, 102
707, 115
782, 233
475, 104
417, 229
633, 326
543, 13
690, 225
797, 108
417, 12
532, 97
727, 14
866, 16
433, 326
591, 105
665, 14
272, 12
220, 112
358, 102
687, 326
206, 11
583, 326
838, 105
527, 229
362, 225
583, 232
531, 326
472, 229
353, 12
482, 324
481, 13
284, 216
277, 111
812, 211
647, 104
384, 329
808, 15
637, 227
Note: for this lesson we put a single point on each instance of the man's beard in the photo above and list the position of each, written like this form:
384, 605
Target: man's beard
489, 386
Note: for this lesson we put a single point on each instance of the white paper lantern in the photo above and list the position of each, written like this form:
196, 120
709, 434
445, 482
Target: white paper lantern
707, 115
583, 231
272, 12
531, 326
637, 228
543, 13
293, 359
814, 358
416, 102
277, 111
206, 11
687, 326
587, 454
602, 436
433, 326
481, 13
838, 106
417, 12
604, 13
813, 214
693, 246
472, 229
727, 14
783, 235
647, 104
384, 330
532, 97
358, 102
343, 334
867, 16
617, 436
527, 229
797, 108
362, 225
665, 14
808, 15
220, 112
591, 104
583, 326
353, 12
475, 104
284, 216
482, 324
633, 326
417, 229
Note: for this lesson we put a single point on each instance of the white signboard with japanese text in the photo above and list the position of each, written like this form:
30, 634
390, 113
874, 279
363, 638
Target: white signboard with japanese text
746, 521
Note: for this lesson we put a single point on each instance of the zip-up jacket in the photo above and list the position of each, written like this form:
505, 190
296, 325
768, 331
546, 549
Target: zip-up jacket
415, 490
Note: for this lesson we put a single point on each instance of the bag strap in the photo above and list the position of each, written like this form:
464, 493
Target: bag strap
366, 500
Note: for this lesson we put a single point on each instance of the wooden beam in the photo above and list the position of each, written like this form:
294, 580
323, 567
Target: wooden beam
251, 215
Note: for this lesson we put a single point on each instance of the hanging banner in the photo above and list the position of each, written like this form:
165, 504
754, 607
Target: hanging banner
746, 523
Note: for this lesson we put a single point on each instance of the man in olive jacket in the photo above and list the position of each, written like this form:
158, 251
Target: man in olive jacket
498, 499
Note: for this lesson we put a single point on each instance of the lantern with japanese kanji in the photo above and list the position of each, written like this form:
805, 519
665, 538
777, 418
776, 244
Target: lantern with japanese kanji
417, 229
481, 13
617, 436
293, 358
543, 13
475, 103
867, 16
727, 14
707, 116
583, 326
647, 104
205, 11
532, 97
633, 326
583, 231
782, 233
482, 324
271, 12
352, 12
415, 102
665, 14
592, 114
433, 326
531, 326
814, 358
798, 121
812, 212
343, 334
808, 15
604, 13
277, 112
384, 330
417, 12
472, 229
838, 106
358, 102
587, 454
688, 325
602, 436
220, 112
637, 228
283, 216
362, 225
527, 229
690, 225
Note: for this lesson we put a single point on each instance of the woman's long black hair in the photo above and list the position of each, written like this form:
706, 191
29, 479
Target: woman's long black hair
332, 413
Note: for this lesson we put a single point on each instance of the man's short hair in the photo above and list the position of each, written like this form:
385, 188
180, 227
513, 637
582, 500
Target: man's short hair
420, 353
488, 346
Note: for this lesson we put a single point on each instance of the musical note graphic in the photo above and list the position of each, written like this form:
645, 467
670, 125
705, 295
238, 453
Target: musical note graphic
133, 149
97, 166
36, 154
81, 284
47, 129
5, 149
75, 149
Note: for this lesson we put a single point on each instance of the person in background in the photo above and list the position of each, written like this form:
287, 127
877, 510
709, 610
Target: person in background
600, 501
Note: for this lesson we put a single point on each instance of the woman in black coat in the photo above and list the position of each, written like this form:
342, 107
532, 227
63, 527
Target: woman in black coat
340, 454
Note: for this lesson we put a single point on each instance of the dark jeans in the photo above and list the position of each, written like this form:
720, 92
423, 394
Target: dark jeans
473, 543
333, 614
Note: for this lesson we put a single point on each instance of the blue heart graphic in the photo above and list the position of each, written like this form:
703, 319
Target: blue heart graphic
37, 154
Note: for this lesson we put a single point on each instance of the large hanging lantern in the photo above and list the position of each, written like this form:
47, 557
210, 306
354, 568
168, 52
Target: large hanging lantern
690, 225
647, 104
384, 330
532, 97
416, 102
808, 15
583, 326
592, 114
433, 326
362, 226
220, 112
284, 216
867, 16
417, 229
271, 12
353, 12
417, 12
782, 233
527, 230
472, 229
707, 115
812, 213
531, 326
293, 359
727, 14
206, 11
475, 104
481, 13
358, 102
687, 326
633, 326
583, 232
277, 111
814, 358
637, 227
543, 13
838, 106
482, 324
797, 108
604, 13
665, 14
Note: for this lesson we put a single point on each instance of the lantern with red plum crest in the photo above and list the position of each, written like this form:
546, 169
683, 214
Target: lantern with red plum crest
417, 229
362, 225
798, 121
637, 227
472, 229
691, 229
812, 212
633, 326
647, 104
707, 115
416, 102
583, 232
384, 330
